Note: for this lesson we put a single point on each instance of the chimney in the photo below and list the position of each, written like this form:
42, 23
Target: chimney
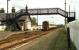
13, 10
26, 9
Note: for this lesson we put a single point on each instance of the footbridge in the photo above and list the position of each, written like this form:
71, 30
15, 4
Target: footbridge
39, 11
46, 11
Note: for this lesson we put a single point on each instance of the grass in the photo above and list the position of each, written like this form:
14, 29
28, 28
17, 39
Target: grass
61, 42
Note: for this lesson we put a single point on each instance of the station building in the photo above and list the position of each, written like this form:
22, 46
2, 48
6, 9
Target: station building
24, 21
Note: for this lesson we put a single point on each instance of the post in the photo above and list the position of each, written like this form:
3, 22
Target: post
37, 20
66, 28
7, 6
68, 33
37, 17
65, 10
7, 17
65, 16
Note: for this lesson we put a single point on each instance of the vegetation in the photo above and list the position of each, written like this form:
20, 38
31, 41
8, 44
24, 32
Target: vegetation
2, 10
59, 26
62, 42
34, 21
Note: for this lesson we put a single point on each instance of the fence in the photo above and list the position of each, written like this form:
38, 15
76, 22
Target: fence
74, 32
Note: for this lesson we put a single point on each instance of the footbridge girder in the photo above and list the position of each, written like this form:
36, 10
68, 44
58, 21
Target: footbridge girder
48, 11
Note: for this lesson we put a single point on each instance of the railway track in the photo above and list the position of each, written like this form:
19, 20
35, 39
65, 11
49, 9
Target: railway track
20, 39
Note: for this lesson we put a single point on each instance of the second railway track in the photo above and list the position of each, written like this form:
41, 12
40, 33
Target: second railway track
20, 39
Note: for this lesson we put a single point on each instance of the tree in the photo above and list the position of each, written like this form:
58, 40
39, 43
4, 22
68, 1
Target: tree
2, 10
34, 21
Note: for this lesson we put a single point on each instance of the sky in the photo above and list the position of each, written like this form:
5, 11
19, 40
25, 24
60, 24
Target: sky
56, 19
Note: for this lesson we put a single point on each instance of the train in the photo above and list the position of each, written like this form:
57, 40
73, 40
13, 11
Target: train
45, 25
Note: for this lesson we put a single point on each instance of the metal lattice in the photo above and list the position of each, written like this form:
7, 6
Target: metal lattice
47, 11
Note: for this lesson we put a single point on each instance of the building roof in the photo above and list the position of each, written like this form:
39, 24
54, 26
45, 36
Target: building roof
3, 16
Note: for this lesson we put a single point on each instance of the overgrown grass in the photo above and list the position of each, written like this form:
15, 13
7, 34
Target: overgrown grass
62, 41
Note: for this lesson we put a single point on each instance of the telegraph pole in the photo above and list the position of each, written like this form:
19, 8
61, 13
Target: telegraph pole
67, 28
37, 17
7, 6
7, 16
68, 33
65, 10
